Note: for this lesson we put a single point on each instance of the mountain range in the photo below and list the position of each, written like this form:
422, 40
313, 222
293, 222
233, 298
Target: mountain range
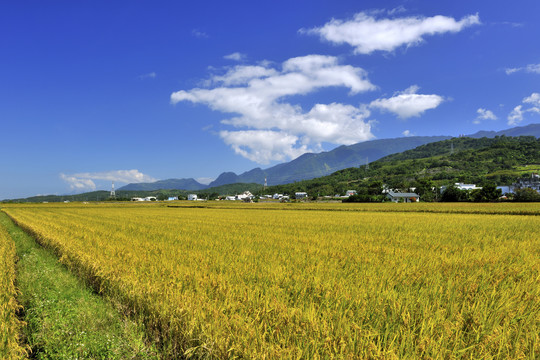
310, 165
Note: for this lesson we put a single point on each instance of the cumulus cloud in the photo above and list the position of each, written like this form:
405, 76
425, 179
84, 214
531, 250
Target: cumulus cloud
408, 103
484, 114
78, 184
235, 56
531, 68
85, 181
367, 33
517, 114
263, 146
534, 99
272, 129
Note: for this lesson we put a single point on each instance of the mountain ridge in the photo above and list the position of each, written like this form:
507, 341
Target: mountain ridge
312, 165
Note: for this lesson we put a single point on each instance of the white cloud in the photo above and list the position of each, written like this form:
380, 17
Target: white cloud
85, 181
235, 56
151, 75
407, 103
240, 75
534, 99
516, 115
407, 133
78, 184
367, 34
511, 70
272, 129
531, 68
484, 114
263, 146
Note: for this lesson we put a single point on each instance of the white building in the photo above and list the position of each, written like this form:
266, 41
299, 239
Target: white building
244, 196
462, 186
300, 195
192, 197
172, 198
350, 193
405, 197
533, 183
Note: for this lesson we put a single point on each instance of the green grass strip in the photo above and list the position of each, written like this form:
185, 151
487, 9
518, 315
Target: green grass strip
65, 319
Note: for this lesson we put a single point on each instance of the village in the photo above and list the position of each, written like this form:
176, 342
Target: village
391, 195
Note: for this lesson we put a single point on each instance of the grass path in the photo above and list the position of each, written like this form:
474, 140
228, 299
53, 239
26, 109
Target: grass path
65, 319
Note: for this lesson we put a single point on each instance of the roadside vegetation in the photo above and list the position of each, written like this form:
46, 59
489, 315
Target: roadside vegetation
64, 318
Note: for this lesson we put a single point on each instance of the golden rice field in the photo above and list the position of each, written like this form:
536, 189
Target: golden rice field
9, 324
267, 281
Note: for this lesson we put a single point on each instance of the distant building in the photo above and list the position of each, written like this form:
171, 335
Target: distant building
300, 195
350, 193
148, 198
172, 198
505, 189
192, 197
246, 195
462, 186
405, 197
532, 182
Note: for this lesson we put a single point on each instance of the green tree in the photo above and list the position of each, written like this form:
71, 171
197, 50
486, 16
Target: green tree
426, 189
489, 192
526, 195
452, 194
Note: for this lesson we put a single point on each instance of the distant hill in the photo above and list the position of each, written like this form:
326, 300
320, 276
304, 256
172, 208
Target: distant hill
501, 160
172, 184
529, 130
309, 166
229, 189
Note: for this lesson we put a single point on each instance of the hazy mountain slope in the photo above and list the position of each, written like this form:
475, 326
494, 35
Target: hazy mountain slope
529, 130
309, 166
180, 184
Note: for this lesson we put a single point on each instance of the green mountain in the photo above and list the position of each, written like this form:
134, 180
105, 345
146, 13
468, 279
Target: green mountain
309, 166
501, 160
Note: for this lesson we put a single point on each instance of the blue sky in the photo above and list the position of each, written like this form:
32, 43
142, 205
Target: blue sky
128, 91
